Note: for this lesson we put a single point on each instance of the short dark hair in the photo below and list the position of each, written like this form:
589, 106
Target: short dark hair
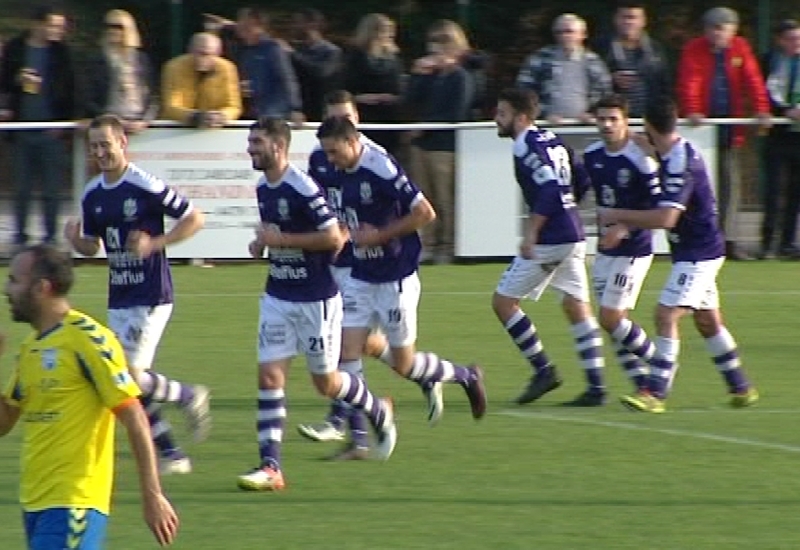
612, 101
337, 127
257, 14
312, 15
53, 265
337, 97
631, 5
662, 115
41, 12
522, 101
274, 127
108, 120
786, 25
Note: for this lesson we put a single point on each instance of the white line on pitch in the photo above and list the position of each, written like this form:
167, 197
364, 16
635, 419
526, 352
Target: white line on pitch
439, 293
664, 431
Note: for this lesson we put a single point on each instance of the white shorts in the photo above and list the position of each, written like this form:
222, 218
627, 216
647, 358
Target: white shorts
391, 307
286, 329
618, 280
139, 330
341, 275
562, 266
692, 285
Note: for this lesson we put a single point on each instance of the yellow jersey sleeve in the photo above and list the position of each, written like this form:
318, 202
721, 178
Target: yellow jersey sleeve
103, 362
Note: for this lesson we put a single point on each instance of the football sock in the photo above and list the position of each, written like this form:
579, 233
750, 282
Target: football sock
356, 421
164, 390
635, 369
271, 417
160, 430
663, 366
633, 337
725, 354
589, 343
428, 368
523, 332
354, 392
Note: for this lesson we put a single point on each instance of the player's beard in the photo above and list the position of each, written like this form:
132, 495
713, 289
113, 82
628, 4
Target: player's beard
263, 162
22, 308
505, 131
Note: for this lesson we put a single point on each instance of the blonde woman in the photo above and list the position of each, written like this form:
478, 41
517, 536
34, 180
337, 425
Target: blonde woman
120, 76
373, 73
440, 90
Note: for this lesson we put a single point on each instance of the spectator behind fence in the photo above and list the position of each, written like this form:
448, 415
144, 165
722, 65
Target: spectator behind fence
373, 73
37, 78
317, 61
782, 71
120, 77
440, 90
638, 63
567, 77
268, 81
718, 76
201, 88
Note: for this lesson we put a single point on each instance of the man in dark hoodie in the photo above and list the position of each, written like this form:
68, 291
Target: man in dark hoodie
36, 79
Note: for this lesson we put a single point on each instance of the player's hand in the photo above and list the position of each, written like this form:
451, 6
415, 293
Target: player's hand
527, 249
612, 235
72, 231
606, 216
256, 249
141, 244
161, 519
366, 235
269, 235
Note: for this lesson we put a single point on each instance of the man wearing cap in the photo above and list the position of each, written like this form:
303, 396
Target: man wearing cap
718, 75
782, 71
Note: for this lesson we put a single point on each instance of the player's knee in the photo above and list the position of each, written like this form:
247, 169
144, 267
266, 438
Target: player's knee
327, 384
575, 310
609, 319
374, 345
270, 377
708, 322
504, 307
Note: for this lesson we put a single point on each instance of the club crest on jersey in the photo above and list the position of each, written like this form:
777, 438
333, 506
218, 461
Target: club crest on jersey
623, 177
49, 359
283, 209
366, 193
129, 209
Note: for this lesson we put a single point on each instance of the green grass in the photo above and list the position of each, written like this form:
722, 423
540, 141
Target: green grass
700, 477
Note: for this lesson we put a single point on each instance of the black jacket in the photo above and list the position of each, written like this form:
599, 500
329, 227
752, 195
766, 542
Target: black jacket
61, 85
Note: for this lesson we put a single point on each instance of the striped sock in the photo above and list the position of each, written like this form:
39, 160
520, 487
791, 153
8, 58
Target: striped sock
524, 334
725, 354
271, 417
164, 390
428, 368
160, 430
354, 391
589, 343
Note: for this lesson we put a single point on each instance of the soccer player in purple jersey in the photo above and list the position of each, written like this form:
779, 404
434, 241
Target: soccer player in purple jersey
124, 208
384, 211
552, 251
687, 208
301, 309
622, 176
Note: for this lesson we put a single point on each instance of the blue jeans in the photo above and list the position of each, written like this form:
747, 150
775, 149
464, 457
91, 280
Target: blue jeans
65, 528
37, 153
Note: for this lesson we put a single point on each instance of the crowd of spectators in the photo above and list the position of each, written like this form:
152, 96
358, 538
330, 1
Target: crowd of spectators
239, 68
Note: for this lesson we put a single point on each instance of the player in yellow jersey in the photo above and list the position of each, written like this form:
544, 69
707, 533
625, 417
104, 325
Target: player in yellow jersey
69, 385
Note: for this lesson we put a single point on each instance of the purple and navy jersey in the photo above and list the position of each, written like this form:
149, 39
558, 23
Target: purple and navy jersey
324, 173
137, 202
627, 179
686, 185
378, 192
296, 204
546, 171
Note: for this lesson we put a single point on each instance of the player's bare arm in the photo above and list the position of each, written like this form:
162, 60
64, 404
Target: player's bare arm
421, 215
329, 238
82, 244
158, 512
143, 245
664, 217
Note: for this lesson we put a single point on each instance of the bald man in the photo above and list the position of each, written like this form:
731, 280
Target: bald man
201, 88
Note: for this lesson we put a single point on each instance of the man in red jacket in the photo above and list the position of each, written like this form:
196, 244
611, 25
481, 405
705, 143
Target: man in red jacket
719, 76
